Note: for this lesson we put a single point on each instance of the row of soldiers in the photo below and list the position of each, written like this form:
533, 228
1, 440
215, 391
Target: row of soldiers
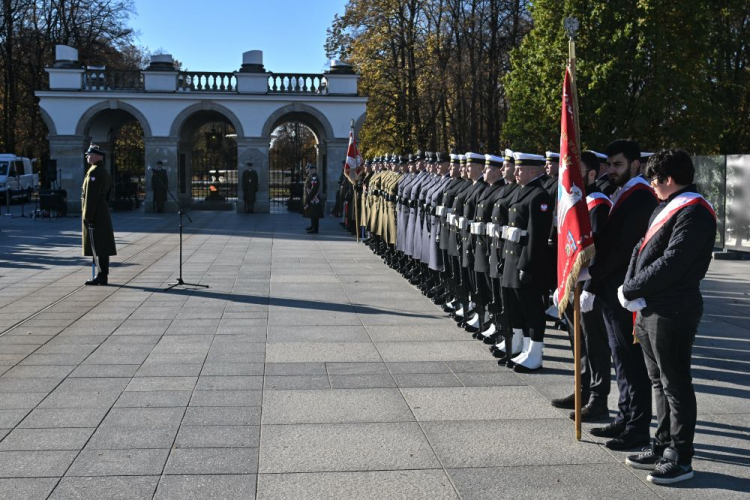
477, 234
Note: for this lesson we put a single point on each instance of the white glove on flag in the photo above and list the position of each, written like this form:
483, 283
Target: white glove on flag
587, 301
555, 298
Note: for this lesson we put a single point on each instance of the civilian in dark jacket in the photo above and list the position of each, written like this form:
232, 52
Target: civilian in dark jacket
663, 284
628, 220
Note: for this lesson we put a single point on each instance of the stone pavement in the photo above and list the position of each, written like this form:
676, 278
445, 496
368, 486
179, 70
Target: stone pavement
308, 369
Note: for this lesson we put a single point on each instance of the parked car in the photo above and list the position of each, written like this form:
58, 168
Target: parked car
17, 176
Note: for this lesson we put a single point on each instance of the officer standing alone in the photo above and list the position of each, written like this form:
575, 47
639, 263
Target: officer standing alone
97, 223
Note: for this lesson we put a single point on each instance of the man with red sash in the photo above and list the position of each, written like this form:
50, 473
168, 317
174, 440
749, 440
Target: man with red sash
663, 285
632, 206
596, 364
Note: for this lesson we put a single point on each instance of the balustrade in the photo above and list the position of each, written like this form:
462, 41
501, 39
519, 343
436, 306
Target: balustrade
108, 80
204, 81
297, 83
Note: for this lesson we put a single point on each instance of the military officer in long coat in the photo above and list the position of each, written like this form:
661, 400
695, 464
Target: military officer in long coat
159, 185
96, 221
312, 203
249, 187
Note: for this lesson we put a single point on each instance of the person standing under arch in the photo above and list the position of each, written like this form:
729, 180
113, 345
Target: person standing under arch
249, 187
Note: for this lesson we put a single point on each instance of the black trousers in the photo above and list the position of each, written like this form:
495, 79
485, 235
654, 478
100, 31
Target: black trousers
630, 369
667, 345
596, 364
526, 310
104, 264
315, 222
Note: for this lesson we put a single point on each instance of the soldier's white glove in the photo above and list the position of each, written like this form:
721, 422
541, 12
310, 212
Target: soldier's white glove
587, 301
555, 298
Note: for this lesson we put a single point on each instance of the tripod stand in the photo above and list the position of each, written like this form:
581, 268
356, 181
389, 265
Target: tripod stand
181, 211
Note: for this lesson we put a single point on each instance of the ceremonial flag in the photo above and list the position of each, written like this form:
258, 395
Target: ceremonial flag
574, 237
353, 158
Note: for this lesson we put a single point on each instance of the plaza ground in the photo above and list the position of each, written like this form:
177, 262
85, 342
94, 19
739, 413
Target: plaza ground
308, 369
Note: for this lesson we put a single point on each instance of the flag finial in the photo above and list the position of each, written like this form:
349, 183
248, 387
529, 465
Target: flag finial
571, 27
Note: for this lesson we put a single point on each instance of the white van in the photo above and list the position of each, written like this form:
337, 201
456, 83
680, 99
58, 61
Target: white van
17, 174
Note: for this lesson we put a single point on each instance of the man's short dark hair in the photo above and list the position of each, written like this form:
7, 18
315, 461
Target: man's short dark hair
674, 163
590, 161
628, 148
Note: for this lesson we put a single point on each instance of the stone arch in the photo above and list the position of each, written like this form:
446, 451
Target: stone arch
308, 115
48, 121
186, 113
90, 114
358, 124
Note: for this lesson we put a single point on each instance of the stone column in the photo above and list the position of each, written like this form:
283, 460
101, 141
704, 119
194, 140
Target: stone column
335, 152
164, 149
253, 149
69, 151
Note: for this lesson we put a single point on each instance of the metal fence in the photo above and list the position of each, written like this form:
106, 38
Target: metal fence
725, 182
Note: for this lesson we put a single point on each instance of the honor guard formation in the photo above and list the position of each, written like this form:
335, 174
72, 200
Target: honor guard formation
477, 234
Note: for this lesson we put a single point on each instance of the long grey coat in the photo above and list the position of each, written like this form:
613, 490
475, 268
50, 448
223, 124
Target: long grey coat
95, 207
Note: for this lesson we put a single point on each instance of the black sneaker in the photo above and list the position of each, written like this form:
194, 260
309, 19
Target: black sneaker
669, 471
645, 460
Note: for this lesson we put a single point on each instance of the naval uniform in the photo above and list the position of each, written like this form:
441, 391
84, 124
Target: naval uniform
526, 260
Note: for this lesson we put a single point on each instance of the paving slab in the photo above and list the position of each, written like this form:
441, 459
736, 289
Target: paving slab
26, 489
207, 487
111, 488
312, 362
377, 485
335, 406
344, 447
604, 481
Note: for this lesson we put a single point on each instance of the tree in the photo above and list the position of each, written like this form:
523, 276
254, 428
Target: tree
643, 71
432, 69
29, 31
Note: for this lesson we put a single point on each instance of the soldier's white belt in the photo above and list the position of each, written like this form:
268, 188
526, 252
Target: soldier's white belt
513, 234
463, 223
440, 211
494, 230
451, 219
478, 228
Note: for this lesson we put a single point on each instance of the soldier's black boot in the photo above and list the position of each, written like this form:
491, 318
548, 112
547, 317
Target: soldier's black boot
101, 279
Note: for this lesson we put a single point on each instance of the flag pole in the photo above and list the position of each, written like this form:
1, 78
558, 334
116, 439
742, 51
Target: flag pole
356, 203
571, 26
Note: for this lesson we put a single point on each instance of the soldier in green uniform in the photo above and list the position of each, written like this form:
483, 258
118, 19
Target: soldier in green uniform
159, 185
249, 187
313, 205
96, 221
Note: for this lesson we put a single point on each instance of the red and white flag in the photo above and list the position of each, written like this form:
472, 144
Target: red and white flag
575, 238
353, 158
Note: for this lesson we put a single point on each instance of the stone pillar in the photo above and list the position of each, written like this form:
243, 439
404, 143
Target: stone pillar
69, 151
335, 153
253, 149
165, 149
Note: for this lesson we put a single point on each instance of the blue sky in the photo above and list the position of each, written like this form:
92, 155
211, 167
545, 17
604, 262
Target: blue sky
212, 35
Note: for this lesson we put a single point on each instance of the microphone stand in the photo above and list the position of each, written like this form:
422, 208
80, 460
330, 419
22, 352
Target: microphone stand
181, 211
